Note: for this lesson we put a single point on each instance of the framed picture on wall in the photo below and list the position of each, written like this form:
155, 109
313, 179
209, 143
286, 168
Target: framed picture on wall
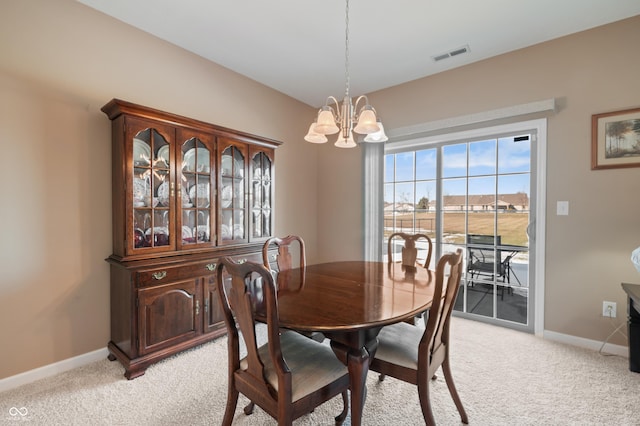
615, 139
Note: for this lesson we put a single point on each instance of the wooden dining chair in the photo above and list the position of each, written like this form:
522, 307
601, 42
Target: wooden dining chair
289, 375
410, 257
283, 259
409, 251
413, 354
283, 262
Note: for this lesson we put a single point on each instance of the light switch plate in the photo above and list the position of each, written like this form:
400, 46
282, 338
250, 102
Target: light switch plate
563, 208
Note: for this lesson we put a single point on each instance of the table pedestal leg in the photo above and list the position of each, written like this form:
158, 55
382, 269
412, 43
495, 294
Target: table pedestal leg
357, 361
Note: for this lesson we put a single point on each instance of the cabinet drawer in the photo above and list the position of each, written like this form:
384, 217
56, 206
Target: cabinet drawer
162, 275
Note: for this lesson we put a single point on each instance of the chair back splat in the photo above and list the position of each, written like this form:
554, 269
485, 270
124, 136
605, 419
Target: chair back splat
289, 375
282, 263
413, 354
409, 251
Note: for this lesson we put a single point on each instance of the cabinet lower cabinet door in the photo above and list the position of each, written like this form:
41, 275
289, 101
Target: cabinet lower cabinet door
214, 319
168, 315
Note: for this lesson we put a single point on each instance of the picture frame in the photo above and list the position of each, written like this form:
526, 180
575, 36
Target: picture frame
615, 139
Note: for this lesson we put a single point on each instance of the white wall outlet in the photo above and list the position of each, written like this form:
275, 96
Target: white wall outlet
609, 309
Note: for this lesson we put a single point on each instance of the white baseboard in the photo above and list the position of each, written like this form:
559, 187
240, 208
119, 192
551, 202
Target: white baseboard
13, 382
586, 343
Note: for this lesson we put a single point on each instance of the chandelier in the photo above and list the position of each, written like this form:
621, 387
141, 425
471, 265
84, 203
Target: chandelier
346, 119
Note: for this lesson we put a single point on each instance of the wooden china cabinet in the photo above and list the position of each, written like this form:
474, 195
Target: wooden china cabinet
185, 193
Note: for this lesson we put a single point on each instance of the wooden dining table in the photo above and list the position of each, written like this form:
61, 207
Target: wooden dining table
349, 302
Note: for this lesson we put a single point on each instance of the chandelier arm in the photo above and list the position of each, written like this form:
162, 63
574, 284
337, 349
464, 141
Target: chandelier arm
356, 113
336, 111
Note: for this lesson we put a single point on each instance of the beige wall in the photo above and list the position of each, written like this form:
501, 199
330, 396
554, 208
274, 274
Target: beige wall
61, 61
587, 252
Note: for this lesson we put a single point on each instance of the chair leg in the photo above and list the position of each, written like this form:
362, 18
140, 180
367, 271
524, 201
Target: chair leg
249, 408
381, 377
345, 410
230, 410
425, 403
446, 369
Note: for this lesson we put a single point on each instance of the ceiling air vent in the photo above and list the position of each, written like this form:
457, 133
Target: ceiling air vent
451, 53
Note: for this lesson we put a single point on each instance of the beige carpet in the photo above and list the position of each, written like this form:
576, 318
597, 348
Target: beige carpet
504, 378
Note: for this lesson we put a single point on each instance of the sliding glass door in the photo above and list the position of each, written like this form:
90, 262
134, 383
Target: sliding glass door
477, 194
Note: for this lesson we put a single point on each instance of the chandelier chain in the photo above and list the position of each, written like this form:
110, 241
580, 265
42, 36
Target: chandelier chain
346, 52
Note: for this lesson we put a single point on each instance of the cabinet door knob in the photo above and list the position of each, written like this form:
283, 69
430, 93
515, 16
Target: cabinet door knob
159, 275
210, 266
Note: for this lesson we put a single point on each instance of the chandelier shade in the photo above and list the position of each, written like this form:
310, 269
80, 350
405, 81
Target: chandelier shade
314, 137
343, 142
326, 122
346, 118
379, 136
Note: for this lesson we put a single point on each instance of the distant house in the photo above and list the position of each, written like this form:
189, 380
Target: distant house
477, 203
480, 203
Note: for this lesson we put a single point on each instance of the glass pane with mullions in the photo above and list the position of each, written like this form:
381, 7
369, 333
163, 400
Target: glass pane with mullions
454, 160
404, 166
403, 197
389, 170
484, 190
512, 304
426, 162
482, 158
514, 154
425, 207
514, 195
482, 202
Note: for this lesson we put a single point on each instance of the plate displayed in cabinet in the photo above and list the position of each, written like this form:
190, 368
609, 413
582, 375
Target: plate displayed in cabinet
231, 167
141, 153
163, 194
238, 231
199, 195
227, 196
225, 232
190, 160
141, 192
163, 155
202, 233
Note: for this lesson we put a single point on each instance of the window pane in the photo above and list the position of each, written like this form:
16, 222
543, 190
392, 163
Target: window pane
454, 210
482, 158
388, 167
514, 155
404, 166
454, 160
425, 208
404, 196
426, 162
514, 192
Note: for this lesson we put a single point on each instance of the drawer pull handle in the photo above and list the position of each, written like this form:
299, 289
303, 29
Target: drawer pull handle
210, 266
159, 275
241, 261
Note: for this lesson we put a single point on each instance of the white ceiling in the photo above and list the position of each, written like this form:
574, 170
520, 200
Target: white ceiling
298, 46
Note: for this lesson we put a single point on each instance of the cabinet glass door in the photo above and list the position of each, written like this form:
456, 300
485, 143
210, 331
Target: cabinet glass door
232, 194
152, 190
261, 193
196, 189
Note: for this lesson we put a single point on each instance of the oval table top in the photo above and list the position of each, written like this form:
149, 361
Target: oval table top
352, 295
